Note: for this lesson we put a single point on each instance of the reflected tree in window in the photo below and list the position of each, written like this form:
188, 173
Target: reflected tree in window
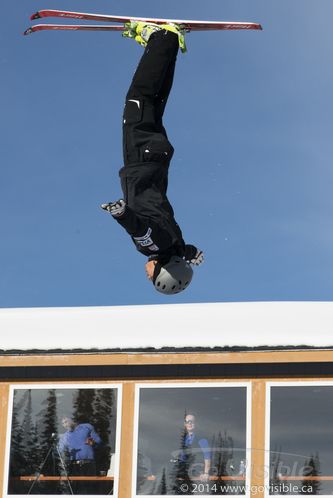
162, 490
182, 466
223, 462
83, 406
47, 420
104, 419
30, 443
17, 461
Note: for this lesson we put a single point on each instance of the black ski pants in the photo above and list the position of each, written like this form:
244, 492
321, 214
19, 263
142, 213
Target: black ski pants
149, 216
144, 136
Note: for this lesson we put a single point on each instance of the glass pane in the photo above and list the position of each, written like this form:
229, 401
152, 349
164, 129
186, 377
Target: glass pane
62, 441
301, 440
191, 440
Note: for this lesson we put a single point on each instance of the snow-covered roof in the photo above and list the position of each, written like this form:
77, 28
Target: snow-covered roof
197, 325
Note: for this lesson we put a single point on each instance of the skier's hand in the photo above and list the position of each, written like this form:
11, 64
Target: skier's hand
198, 258
115, 208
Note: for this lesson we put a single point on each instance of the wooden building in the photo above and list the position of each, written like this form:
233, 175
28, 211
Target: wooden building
197, 399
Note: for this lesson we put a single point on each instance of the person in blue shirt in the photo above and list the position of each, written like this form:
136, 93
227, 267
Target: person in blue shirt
78, 445
192, 461
195, 449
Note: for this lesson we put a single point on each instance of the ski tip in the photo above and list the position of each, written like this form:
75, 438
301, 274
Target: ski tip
28, 31
35, 16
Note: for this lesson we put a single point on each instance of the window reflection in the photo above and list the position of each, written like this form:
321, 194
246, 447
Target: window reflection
301, 440
62, 441
191, 440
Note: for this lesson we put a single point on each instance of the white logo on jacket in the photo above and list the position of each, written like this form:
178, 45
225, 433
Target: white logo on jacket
146, 241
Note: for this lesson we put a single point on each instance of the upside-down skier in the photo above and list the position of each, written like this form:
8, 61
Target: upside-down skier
145, 212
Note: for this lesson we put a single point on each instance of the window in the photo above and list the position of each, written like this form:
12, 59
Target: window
192, 439
300, 438
63, 440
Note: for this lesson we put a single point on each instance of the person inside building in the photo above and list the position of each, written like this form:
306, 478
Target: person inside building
192, 462
78, 444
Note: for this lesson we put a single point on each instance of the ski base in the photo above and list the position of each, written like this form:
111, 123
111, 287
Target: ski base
71, 27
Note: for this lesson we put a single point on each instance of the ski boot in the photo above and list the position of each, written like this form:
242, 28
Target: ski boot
116, 208
141, 31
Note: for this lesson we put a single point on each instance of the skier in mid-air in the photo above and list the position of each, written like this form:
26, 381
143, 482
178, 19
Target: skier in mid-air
145, 212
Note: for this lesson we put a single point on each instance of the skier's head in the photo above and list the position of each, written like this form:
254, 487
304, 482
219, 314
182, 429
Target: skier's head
170, 277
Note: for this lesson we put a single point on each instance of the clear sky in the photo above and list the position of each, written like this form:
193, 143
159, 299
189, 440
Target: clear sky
250, 117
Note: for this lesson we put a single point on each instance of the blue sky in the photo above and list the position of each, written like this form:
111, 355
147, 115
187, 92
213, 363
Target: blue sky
251, 180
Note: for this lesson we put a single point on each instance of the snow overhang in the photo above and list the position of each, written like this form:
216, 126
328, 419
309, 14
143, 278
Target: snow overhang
255, 325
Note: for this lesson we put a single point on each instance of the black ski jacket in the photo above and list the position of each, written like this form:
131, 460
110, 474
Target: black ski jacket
149, 217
